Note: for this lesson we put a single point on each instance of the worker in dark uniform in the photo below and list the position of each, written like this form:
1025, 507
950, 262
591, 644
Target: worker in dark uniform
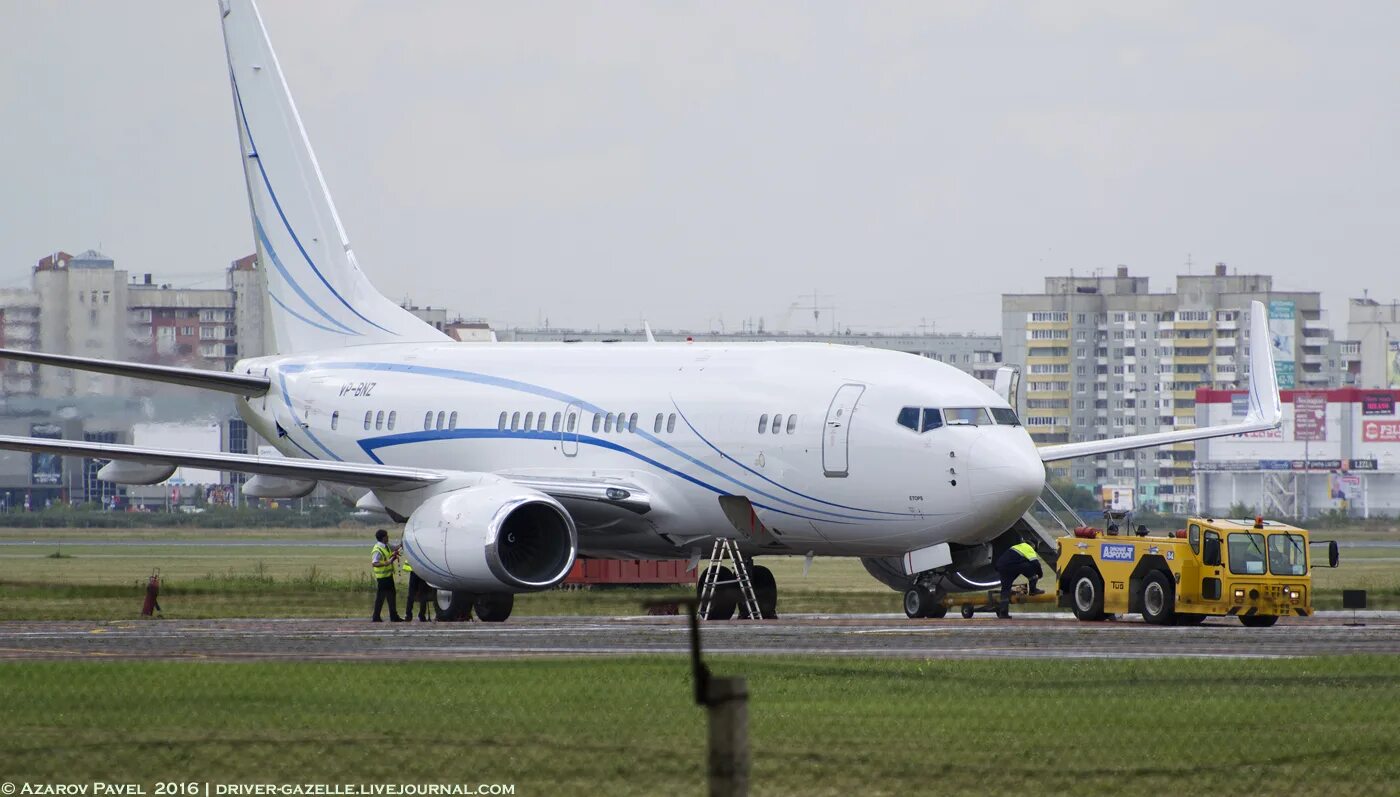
1018, 560
417, 590
382, 564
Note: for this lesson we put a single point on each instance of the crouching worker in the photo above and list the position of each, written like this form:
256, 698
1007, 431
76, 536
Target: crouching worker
1018, 560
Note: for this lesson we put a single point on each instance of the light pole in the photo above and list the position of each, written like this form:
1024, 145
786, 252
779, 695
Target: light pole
1137, 487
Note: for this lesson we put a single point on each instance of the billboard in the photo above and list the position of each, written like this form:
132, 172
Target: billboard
45, 469
1281, 338
1380, 431
1377, 403
1309, 416
1392, 363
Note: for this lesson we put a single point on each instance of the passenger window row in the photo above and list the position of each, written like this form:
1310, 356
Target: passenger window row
533, 422
373, 420
777, 427
439, 420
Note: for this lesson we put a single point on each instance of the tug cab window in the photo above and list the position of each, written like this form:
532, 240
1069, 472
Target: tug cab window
1246, 552
1288, 555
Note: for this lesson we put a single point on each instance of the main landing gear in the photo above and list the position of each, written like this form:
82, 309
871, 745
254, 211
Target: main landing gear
748, 589
489, 607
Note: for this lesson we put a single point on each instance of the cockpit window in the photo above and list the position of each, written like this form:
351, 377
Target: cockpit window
932, 419
966, 416
920, 419
1005, 416
909, 417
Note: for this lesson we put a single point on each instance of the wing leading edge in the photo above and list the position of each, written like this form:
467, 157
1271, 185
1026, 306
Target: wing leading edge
375, 477
1265, 405
237, 384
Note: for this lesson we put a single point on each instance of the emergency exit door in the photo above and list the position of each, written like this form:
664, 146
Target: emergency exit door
836, 437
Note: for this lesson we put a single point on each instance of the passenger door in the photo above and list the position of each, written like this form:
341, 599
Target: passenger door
836, 437
568, 430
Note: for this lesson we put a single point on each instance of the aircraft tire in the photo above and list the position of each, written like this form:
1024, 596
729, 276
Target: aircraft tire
917, 601
726, 598
452, 607
765, 588
494, 607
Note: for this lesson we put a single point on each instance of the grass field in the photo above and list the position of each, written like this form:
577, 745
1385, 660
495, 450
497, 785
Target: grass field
312, 574
628, 726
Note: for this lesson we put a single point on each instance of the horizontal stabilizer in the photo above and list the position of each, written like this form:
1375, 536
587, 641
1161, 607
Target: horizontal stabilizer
375, 477
238, 384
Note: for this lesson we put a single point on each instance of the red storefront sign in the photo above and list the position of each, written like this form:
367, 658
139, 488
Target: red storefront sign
1380, 431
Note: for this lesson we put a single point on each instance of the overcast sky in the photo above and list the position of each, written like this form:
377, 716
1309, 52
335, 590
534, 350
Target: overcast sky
699, 162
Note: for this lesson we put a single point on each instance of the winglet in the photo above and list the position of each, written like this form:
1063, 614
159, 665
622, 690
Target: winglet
647, 326
1265, 405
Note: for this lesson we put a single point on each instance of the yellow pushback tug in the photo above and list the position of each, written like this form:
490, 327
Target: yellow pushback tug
1256, 570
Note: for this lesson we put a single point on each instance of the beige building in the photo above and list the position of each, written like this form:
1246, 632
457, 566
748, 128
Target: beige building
85, 306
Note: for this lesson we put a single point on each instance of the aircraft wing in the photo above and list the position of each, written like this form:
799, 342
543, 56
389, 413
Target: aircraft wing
377, 477
1265, 406
238, 384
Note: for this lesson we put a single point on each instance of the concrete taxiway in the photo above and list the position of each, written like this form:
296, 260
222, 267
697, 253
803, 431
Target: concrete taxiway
1031, 636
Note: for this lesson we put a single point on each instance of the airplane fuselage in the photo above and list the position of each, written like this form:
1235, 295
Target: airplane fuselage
808, 433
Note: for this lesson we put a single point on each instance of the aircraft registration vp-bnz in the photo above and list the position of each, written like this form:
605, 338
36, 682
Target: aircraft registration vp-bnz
506, 461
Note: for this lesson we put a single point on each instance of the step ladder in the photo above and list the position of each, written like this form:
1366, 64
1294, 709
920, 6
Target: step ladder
710, 583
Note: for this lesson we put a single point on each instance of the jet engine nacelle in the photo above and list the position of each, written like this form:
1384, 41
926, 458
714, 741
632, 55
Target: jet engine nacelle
493, 537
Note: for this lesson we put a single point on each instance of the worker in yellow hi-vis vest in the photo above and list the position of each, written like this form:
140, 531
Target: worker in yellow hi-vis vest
418, 590
382, 565
1018, 560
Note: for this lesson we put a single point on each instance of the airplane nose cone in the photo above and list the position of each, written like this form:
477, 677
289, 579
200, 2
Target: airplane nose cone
1006, 476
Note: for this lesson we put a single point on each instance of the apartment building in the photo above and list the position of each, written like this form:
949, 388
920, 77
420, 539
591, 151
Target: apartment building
1104, 356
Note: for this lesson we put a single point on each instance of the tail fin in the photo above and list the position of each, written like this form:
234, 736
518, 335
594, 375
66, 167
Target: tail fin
319, 298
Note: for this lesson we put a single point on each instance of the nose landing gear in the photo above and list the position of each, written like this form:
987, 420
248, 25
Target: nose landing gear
920, 601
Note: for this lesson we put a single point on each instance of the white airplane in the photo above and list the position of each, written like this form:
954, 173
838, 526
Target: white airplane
506, 461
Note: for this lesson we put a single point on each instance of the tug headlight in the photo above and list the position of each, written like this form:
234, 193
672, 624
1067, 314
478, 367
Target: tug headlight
1239, 596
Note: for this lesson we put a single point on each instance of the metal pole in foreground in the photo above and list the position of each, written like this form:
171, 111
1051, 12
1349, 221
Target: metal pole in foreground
726, 702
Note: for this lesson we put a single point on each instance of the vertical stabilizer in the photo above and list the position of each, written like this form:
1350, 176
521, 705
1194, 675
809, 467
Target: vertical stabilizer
319, 298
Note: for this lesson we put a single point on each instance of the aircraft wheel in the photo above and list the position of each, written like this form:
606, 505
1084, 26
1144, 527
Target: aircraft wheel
1158, 598
453, 606
765, 588
916, 602
1259, 620
1086, 589
726, 598
494, 607
937, 608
